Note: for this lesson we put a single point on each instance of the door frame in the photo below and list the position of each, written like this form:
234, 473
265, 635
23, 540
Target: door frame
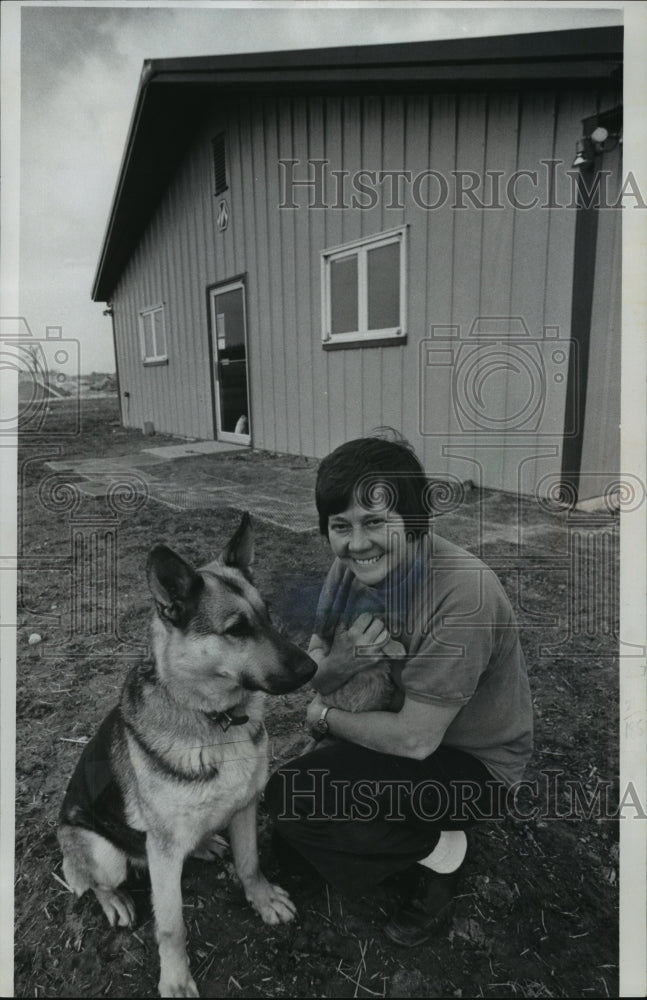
218, 288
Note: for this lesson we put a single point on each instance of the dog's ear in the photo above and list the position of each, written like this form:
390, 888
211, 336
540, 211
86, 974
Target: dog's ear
239, 552
174, 585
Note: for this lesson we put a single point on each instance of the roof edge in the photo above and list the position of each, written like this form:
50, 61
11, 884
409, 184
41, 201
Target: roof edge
530, 49
538, 46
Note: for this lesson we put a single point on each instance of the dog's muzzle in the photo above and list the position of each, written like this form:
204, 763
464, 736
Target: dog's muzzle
296, 669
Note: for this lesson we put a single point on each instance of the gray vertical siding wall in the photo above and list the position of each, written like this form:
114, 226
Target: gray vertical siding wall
172, 264
463, 262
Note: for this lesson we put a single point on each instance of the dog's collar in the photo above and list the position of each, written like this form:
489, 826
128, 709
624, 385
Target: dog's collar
226, 719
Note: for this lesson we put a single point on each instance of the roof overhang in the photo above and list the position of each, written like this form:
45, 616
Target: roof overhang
174, 94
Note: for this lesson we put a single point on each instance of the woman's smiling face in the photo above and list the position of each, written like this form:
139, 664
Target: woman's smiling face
371, 542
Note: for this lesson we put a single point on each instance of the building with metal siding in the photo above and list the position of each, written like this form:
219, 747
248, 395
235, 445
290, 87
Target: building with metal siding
498, 352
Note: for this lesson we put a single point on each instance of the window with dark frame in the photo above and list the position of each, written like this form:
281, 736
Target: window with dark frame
219, 153
364, 291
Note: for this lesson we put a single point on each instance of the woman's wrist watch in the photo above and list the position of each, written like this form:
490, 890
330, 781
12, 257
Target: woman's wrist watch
320, 728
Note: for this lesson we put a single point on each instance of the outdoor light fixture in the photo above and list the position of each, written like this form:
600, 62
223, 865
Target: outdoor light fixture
597, 137
603, 140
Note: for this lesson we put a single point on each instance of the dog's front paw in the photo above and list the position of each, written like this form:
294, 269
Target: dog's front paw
182, 985
213, 846
117, 906
271, 902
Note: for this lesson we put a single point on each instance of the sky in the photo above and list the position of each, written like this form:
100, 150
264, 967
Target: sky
80, 68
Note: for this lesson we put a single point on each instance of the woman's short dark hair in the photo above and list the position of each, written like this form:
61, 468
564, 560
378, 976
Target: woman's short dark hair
373, 472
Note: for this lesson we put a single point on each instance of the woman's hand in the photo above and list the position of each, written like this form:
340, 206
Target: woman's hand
363, 645
366, 631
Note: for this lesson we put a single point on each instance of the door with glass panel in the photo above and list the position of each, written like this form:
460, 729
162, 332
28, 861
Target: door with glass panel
230, 376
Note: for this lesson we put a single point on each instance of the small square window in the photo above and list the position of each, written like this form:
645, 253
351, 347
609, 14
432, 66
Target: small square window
363, 290
152, 331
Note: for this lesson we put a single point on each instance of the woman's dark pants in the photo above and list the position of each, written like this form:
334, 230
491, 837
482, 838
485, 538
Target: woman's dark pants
358, 816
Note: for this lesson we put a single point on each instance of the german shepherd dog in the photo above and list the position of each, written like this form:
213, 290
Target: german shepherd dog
184, 753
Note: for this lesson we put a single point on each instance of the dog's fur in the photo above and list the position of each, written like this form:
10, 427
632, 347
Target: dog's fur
184, 754
369, 690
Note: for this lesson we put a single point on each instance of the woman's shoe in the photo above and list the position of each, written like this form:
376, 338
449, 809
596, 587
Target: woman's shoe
426, 911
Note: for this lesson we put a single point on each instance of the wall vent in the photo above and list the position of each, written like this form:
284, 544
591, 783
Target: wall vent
219, 164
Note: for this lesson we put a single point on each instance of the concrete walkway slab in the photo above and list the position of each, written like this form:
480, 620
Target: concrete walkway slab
187, 499
116, 464
171, 451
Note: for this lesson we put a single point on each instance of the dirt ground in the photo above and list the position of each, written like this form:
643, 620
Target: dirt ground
538, 913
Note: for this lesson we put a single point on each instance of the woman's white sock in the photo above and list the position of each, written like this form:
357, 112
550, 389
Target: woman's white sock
448, 854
